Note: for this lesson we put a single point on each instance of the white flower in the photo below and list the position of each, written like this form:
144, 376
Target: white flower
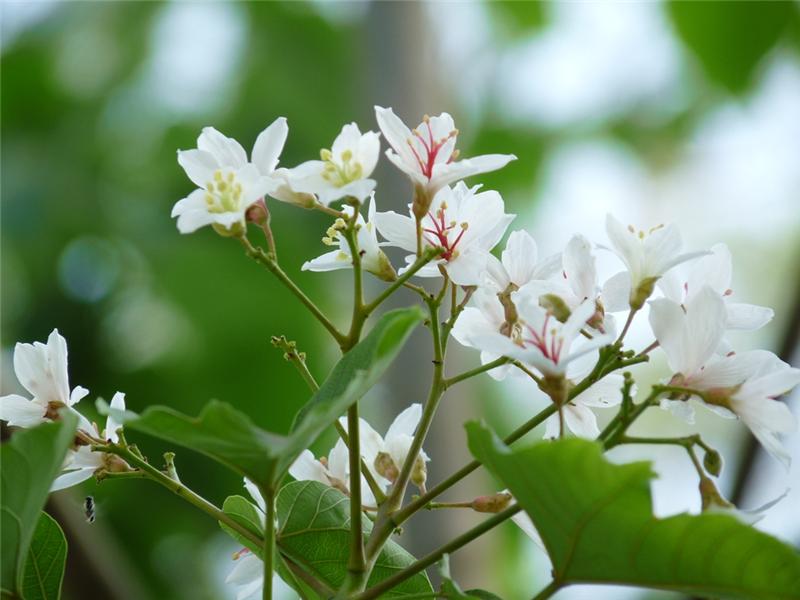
388, 454
647, 256
335, 469
744, 385
714, 270
538, 338
519, 263
82, 463
247, 575
344, 169
465, 223
427, 154
372, 257
42, 370
228, 183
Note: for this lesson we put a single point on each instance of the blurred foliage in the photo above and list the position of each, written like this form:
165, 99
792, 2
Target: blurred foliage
89, 178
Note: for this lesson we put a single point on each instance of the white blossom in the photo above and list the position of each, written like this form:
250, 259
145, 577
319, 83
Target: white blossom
42, 370
247, 575
519, 263
373, 258
716, 271
742, 385
80, 464
647, 256
228, 183
427, 153
464, 223
577, 413
344, 169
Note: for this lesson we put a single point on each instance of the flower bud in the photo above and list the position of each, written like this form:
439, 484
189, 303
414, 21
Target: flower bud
384, 269
712, 462
492, 504
385, 466
257, 214
419, 473
421, 203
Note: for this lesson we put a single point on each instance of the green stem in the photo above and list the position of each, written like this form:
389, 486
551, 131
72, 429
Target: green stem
436, 555
547, 592
356, 563
476, 371
264, 259
269, 542
627, 326
178, 489
427, 256
423, 500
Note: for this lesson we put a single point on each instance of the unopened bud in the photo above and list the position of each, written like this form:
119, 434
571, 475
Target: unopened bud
385, 466
421, 203
114, 464
712, 462
492, 504
419, 473
384, 269
257, 214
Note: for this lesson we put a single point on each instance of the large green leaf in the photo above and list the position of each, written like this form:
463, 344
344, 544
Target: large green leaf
596, 521
220, 432
249, 516
230, 437
44, 565
730, 38
313, 533
352, 377
29, 462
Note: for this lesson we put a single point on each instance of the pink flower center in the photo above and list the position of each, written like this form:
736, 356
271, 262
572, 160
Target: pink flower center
431, 148
550, 349
439, 235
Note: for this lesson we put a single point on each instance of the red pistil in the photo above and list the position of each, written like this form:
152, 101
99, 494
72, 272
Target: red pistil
441, 231
539, 341
431, 149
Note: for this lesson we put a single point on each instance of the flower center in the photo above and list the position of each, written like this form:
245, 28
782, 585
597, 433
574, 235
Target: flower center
224, 194
426, 156
341, 170
439, 233
550, 348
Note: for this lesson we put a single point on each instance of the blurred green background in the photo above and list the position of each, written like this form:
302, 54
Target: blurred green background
685, 112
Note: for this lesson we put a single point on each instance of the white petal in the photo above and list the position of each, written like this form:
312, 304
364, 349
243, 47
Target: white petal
579, 267
330, 261
395, 132
21, 412
117, 402
71, 478
406, 422
581, 421
307, 468
714, 270
617, 292
255, 493
606, 392
227, 151
520, 257
747, 317
625, 244
704, 328
199, 166
523, 521
397, 229
468, 267
339, 462
269, 145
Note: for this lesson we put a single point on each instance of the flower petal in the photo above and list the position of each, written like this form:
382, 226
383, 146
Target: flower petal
269, 145
21, 412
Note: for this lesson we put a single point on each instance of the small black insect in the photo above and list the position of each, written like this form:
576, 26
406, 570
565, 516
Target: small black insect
88, 509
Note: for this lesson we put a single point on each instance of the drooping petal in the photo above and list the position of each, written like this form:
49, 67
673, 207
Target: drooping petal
21, 412
71, 478
330, 261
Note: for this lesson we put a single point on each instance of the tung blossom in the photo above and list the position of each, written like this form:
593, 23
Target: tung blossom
464, 223
228, 183
742, 385
80, 464
42, 370
716, 271
647, 256
344, 169
373, 258
428, 155
519, 264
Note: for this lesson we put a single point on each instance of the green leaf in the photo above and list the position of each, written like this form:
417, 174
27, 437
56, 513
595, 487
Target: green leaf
248, 515
452, 591
44, 565
730, 38
351, 378
313, 533
29, 462
230, 437
596, 521
220, 432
